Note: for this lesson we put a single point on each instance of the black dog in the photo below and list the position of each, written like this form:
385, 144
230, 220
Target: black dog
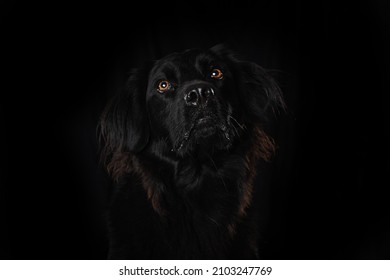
182, 141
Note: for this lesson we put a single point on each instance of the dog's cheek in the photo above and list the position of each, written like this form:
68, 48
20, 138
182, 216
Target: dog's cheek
158, 116
232, 95
176, 120
166, 119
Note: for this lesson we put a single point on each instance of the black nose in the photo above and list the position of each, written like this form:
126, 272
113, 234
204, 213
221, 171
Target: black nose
198, 96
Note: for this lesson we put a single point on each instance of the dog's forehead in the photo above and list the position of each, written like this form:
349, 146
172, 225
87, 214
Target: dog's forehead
187, 61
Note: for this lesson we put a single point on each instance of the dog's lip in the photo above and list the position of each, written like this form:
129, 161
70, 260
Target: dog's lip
200, 125
203, 120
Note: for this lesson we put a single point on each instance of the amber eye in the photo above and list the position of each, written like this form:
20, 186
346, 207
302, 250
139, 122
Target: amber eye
216, 74
163, 86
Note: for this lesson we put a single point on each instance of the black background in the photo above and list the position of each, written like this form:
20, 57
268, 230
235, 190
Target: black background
324, 196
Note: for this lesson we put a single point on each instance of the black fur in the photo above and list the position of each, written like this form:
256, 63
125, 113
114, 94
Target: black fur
184, 159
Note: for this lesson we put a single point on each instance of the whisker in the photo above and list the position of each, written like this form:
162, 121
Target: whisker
235, 129
235, 120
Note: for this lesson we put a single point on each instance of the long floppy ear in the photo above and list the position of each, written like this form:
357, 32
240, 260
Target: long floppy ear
124, 125
258, 88
261, 94
260, 91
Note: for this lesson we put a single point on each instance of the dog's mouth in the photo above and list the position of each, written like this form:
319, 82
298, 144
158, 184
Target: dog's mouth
205, 129
203, 121
205, 124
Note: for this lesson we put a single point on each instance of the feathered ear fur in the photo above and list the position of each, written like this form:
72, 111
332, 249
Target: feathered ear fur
258, 88
124, 125
260, 91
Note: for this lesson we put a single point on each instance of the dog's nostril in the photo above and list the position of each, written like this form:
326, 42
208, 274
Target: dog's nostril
206, 93
192, 97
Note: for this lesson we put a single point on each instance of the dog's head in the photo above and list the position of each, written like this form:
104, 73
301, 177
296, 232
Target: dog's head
191, 102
